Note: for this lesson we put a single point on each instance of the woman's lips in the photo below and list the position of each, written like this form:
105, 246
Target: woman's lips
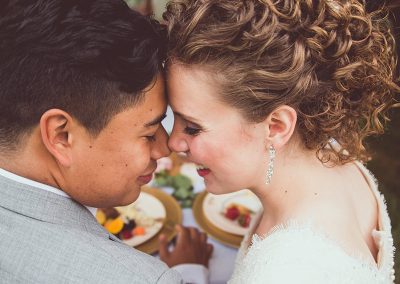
203, 172
145, 179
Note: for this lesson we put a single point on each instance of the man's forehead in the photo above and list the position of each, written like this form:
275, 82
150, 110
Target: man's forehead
152, 108
156, 120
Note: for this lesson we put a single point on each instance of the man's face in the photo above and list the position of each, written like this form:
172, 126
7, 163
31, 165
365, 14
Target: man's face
110, 169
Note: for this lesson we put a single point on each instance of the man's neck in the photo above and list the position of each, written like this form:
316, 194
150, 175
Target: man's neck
40, 185
27, 164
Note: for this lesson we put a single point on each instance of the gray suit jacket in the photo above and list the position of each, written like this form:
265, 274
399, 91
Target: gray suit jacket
47, 238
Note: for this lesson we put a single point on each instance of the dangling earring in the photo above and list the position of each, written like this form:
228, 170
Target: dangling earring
270, 170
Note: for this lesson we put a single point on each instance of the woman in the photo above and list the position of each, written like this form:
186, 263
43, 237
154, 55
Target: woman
278, 97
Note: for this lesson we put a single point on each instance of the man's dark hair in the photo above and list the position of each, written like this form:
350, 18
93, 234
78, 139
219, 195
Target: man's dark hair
90, 58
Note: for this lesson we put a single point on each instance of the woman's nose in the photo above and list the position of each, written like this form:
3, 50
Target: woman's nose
177, 142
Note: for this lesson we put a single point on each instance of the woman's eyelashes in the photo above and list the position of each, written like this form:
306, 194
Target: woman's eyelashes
189, 127
191, 131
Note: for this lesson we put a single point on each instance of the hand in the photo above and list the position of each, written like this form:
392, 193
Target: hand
191, 247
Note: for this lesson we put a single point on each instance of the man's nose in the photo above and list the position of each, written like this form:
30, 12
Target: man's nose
160, 149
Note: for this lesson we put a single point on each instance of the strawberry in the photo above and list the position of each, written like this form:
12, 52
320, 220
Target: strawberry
232, 213
126, 234
244, 220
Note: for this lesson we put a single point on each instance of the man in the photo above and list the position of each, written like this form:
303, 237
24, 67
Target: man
81, 102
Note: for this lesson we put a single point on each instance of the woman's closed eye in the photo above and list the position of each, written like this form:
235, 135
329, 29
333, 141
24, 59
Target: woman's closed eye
188, 127
191, 131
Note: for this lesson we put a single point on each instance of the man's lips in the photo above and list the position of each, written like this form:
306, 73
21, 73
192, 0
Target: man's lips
146, 178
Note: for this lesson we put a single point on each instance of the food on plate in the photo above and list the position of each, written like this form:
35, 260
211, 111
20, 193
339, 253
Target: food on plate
114, 226
244, 220
138, 231
232, 213
238, 213
101, 217
125, 222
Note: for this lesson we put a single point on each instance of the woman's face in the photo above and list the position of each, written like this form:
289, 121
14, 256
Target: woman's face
229, 151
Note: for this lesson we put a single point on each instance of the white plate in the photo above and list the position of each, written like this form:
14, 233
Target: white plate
151, 207
214, 207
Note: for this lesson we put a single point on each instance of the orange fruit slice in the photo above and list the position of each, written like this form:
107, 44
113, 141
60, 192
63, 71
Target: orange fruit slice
139, 231
114, 226
100, 217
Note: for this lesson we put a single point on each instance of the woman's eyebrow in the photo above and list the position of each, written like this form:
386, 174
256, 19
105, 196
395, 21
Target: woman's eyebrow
186, 117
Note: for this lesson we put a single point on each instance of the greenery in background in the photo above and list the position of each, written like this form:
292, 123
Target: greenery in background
182, 185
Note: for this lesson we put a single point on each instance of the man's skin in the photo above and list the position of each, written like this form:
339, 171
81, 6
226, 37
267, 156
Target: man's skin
106, 170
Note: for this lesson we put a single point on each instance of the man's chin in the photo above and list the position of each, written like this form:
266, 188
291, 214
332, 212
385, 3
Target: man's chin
125, 202
117, 202
130, 198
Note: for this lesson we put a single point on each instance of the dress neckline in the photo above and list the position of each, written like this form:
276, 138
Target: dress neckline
381, 235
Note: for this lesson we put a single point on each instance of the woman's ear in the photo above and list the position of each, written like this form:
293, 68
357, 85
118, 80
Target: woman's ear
280, 125
55, 126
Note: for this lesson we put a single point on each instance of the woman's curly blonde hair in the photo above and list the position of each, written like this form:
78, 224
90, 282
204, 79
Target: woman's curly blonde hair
332, 61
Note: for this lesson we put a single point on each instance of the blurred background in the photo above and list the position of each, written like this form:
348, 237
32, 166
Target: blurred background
385, 149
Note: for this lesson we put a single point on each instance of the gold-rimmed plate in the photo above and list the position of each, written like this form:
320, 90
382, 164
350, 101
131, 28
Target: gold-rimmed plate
150, 211
212, 230
173, 217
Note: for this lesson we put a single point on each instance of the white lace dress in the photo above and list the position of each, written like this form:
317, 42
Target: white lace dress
296, 252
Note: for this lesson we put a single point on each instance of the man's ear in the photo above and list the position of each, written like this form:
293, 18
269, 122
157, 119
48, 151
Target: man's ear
280, 125
55, 126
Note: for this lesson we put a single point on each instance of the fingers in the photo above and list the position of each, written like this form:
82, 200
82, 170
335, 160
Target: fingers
183, 235
164, 253
203, 237
210, 249
191, 247
194, 234
187, 235
193, 238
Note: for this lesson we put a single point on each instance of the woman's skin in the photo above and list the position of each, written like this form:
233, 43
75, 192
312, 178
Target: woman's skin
232, 154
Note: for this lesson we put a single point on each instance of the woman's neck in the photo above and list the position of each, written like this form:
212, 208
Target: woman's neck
297, 176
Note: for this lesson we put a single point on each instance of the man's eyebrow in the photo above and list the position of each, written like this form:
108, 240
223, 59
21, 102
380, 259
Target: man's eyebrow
156, 121
186, 117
